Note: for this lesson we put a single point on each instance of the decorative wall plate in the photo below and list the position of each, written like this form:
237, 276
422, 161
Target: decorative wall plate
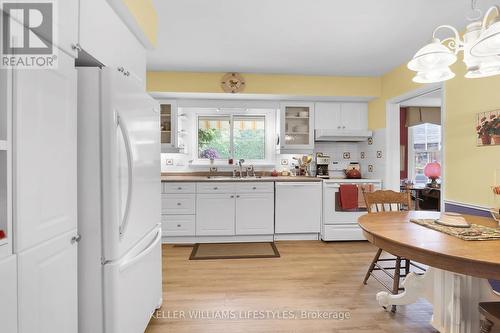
233, 83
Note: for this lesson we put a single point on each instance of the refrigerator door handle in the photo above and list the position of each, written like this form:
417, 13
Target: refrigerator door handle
131, 261
128, 149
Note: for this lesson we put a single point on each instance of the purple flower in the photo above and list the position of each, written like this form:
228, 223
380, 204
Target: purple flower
210, 153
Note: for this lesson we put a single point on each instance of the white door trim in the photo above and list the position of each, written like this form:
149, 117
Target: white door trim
393, 163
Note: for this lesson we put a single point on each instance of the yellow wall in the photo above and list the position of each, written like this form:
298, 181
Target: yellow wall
470, 170
300, 85
146, 17
393, 84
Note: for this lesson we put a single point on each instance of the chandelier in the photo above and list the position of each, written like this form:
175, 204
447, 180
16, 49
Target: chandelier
480, 45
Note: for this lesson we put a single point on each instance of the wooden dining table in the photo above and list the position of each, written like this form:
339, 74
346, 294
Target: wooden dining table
457, 277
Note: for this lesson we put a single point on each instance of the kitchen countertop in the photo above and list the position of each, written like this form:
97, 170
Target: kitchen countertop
198, 178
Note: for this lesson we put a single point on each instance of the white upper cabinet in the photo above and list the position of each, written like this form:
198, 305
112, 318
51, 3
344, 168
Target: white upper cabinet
354, 116
296, 126
169, 128
45, 183
328, 115
341, 116
105, 37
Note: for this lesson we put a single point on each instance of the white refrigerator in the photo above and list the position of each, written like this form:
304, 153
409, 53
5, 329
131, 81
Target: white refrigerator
119, 193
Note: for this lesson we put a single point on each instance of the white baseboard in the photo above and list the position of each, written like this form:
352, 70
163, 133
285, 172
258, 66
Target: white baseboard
307, 236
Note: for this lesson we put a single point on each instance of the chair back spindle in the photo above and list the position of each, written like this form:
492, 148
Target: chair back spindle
387, 201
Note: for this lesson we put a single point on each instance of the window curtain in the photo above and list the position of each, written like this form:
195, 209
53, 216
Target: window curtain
421, 115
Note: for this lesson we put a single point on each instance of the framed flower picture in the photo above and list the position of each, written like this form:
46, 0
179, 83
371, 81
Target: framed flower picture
488, 128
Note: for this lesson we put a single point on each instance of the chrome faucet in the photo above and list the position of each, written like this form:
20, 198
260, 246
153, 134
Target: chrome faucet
240, 164
250, 171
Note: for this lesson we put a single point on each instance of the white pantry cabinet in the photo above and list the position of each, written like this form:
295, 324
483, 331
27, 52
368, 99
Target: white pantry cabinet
45, 153
8, 294
48, 286
215, 214
255, 214
298, 208
105, 37
341, 116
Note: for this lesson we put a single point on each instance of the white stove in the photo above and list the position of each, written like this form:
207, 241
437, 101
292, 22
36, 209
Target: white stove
339, 224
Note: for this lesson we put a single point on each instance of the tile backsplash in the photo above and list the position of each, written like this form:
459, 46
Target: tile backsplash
370, 154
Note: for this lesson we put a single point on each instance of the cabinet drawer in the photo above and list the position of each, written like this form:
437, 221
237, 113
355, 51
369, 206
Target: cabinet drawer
178, 225
209, 188
255, 187
179, 188
178, 204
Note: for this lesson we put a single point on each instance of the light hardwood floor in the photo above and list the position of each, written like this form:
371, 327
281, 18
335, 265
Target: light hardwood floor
309, 276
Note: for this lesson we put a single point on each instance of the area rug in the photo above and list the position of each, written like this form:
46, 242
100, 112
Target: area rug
234, 251
475, 232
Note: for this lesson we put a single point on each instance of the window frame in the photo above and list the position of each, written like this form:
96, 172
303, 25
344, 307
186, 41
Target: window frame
269, 134
412, 151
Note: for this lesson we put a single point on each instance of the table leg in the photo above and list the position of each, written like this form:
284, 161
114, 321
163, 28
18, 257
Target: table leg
416, 286
454, 297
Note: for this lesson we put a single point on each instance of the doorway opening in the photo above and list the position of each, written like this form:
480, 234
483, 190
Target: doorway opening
415, 145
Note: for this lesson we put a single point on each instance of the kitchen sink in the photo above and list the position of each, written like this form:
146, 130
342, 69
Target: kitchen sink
233, 178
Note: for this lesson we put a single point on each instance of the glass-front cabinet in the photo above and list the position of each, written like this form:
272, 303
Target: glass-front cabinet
169, 126
296, 127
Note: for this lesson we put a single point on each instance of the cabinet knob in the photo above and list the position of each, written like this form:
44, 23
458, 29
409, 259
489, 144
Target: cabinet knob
179, 188
179, 204
237, 196
76, 239
216, 188
178, 226
232, 196
338, 127
343, 126
254, 188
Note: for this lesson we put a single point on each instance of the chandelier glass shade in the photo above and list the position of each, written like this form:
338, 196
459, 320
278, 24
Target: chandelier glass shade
480, 45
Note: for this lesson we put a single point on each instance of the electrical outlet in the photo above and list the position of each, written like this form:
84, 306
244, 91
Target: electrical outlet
169, 161
284, 162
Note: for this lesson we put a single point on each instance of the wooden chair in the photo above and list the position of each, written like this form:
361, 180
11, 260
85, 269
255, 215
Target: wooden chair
490, 312
388, 201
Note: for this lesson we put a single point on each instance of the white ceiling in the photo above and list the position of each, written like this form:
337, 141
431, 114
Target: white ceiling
319, 37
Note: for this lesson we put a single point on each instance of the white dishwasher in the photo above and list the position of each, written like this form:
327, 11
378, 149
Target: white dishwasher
298, 210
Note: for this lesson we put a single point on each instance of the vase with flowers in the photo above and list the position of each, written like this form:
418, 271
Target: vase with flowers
487, 129
211, 154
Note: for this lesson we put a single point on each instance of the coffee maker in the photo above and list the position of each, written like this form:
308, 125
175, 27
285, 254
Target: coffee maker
322, 163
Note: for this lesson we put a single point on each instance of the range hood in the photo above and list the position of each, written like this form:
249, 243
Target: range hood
333, 135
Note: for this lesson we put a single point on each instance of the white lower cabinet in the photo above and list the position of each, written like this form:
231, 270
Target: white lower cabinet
223, 211
8, 294
255, 214
215, 214
47, 292
178, 225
